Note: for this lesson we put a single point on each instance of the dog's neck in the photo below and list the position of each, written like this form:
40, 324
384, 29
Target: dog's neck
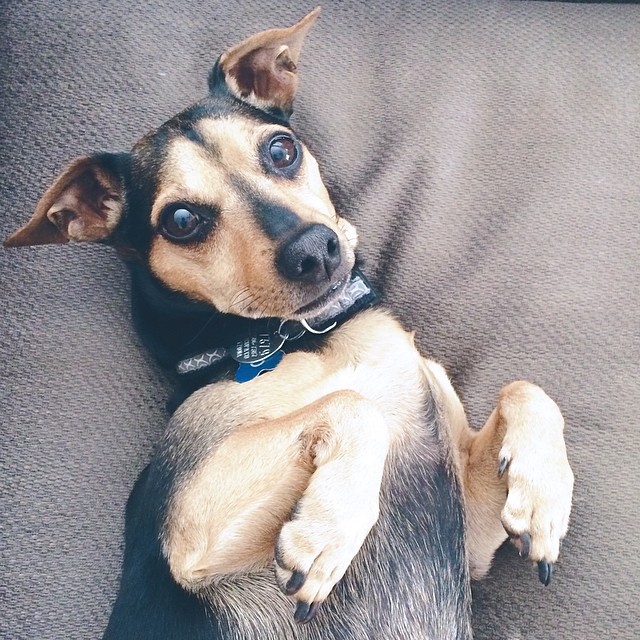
179, 331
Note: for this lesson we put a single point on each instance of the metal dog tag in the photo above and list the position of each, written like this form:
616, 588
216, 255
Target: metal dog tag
262, 341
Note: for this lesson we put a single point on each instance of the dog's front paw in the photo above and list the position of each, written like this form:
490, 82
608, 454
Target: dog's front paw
314, 549
539, 479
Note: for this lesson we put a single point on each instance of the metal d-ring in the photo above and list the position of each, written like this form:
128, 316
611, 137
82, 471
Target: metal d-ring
286, 336
305, 324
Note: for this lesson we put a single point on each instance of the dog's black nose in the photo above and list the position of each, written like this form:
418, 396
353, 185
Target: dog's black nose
311, 256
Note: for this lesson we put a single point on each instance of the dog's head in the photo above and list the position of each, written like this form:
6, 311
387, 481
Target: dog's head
223, 202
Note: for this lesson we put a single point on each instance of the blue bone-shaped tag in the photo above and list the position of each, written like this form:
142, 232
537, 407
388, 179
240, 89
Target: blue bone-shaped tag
247, 372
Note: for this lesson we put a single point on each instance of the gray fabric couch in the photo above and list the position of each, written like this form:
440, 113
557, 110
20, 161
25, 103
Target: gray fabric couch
487, 151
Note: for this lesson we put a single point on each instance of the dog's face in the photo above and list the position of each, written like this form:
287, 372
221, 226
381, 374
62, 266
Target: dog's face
223, 202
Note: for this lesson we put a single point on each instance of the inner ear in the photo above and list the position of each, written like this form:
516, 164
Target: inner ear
83, 204
262, 70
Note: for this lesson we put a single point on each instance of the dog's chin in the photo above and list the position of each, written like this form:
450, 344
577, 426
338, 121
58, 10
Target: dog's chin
318, 305
307, 311
313, 304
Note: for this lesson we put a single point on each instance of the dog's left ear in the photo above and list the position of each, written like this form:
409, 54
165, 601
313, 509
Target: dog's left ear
83, 204
262, 70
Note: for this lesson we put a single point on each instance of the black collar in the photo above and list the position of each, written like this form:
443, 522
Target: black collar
260, 347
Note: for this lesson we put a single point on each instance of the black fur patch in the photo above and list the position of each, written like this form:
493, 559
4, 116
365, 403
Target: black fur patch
276, 221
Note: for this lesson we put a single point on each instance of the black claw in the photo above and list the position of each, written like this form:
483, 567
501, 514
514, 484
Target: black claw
305, 612
545, 571
279, 556
525, 545
295, 582
504, 463
313, 610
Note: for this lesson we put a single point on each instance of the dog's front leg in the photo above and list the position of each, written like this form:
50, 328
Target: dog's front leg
520, 453
317, 471
348, 443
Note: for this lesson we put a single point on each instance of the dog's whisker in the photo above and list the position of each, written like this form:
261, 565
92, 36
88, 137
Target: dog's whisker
247, 305
243, 300
240, 293
259, 306
263, 304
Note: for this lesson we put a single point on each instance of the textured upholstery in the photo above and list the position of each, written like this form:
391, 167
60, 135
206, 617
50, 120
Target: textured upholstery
488, 152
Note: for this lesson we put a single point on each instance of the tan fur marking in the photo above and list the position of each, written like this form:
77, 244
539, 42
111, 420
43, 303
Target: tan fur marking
265, 468
228, 518
188, 175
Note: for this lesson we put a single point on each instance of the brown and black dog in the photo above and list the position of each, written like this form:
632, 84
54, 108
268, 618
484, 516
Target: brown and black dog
346, 474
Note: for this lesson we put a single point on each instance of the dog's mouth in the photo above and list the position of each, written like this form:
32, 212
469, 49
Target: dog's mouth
315, 307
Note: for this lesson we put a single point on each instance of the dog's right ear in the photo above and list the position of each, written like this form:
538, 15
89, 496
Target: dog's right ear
262, 70
85, 203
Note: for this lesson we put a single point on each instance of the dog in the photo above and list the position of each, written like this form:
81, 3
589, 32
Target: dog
314, 456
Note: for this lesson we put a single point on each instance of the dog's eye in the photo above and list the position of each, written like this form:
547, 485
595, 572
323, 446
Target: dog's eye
283, 152
180, 223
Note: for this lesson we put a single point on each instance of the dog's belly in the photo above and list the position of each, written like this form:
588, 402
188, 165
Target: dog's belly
409, 579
